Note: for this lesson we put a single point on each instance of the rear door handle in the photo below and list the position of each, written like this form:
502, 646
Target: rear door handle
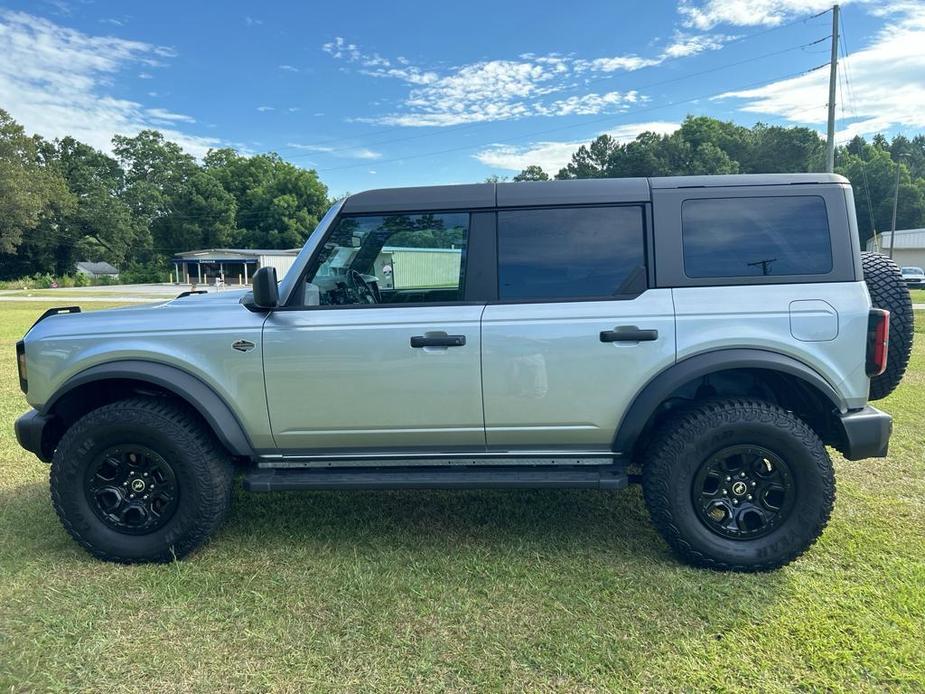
438, 341
628, 334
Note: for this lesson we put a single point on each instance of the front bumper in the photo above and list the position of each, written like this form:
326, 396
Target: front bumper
31, 432
865, 433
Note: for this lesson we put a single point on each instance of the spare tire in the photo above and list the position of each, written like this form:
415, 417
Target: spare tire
888, 290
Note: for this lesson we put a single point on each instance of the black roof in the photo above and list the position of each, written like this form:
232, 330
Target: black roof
569, 192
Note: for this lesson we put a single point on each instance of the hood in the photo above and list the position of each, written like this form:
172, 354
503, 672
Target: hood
173, 315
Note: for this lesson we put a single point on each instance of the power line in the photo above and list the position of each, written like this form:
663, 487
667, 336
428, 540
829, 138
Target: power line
360, 139
577, 125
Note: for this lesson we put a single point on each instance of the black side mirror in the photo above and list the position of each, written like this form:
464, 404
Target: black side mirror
266, 291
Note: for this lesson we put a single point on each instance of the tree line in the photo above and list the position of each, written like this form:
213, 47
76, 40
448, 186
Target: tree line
63, 201
704, 145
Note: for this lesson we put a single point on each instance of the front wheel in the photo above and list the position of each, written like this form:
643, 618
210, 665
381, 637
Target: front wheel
738, 485
140, 480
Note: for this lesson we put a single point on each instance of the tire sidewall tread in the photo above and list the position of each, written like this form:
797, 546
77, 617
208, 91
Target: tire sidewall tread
202, 468
695, 434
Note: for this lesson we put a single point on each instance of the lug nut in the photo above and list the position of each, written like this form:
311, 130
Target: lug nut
735, 502
131, 496
754, 484
742, 475
728, 478
749, 497
725, 492
146, 474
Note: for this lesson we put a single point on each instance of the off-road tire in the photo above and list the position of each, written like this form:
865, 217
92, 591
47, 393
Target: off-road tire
691, 437
203, 470
888, 290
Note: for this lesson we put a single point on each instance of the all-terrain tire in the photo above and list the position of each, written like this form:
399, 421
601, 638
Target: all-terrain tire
202, 470
694, 436
888, 290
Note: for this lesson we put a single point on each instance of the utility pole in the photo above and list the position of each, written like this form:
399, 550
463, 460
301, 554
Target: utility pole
833, 75
895, 205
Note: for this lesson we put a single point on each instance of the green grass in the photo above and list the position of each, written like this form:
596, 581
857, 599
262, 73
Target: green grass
516, 591
918, 296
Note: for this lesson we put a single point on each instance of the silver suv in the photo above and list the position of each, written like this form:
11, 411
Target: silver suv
705, 336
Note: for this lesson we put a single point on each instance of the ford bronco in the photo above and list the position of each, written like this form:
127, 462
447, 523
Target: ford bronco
707, 336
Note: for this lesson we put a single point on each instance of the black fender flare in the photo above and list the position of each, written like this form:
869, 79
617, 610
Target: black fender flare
184, 385
703, 364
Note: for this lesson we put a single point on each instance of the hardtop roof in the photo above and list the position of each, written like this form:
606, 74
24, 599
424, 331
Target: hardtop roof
586, 191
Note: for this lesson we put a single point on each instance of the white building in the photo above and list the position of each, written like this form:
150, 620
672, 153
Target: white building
910, 246
96, 270
231, 265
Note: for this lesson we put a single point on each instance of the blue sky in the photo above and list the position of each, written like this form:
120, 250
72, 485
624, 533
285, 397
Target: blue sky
383, 94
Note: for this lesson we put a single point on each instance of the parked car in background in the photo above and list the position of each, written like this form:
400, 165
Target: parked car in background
707, 336
914, 276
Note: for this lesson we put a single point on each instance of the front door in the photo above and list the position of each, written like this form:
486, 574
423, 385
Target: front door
380, 350
576, 333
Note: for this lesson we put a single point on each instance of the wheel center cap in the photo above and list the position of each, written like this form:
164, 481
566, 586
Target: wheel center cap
739, 488
138, 485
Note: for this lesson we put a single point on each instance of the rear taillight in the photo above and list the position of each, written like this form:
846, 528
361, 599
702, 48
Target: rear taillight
21, 365
878, 341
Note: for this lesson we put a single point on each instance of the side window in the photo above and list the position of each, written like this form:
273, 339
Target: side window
756, 236
391, 259
571, 253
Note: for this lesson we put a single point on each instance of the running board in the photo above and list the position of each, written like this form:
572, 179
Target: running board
263, 480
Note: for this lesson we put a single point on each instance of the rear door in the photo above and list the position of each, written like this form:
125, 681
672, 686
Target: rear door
576, 332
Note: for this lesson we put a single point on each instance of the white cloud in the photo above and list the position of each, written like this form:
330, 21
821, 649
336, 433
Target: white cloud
57, 81
552, 156
288, 68
343, 152
706, 14
494, 90
263, 109
885, 80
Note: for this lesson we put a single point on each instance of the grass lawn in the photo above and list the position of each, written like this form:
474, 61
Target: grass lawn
918, 296
535, 591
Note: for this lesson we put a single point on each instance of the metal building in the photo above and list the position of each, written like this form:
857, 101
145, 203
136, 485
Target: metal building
230, 265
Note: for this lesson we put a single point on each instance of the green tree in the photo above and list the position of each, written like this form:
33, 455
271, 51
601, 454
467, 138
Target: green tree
278, 204
30, 193
532, 173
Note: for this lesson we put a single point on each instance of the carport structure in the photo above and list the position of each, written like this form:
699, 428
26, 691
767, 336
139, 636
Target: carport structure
232, 265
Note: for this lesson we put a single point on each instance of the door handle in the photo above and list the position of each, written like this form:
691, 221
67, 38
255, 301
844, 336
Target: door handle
628, 333
438, 341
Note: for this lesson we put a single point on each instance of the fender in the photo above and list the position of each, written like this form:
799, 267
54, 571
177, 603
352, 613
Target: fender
686, 370
207, 402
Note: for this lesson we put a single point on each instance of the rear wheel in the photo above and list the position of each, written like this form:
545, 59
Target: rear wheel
888, 290
738, 485
140, 480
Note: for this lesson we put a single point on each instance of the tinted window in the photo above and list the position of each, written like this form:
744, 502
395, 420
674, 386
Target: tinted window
751, 237
391, 259
571, 253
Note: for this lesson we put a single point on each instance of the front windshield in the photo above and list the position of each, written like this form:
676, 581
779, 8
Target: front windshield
913, 271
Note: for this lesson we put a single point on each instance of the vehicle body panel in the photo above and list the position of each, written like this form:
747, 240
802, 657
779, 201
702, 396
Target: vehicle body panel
194, 334
348, 379
549, 381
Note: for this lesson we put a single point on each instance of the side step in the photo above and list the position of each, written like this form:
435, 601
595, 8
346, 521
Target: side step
263, 480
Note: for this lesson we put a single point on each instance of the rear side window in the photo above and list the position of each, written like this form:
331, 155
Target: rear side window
754, 237
571, 253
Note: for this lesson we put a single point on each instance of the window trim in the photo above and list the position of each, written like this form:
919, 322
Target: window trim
647, 254
293, 305
828, 232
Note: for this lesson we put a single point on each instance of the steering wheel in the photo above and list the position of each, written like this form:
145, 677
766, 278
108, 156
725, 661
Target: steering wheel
360, 287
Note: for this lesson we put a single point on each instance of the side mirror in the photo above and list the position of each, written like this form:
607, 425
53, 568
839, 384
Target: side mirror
266, 291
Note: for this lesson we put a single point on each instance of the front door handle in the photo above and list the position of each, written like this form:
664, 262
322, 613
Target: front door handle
629, 333
438, 341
